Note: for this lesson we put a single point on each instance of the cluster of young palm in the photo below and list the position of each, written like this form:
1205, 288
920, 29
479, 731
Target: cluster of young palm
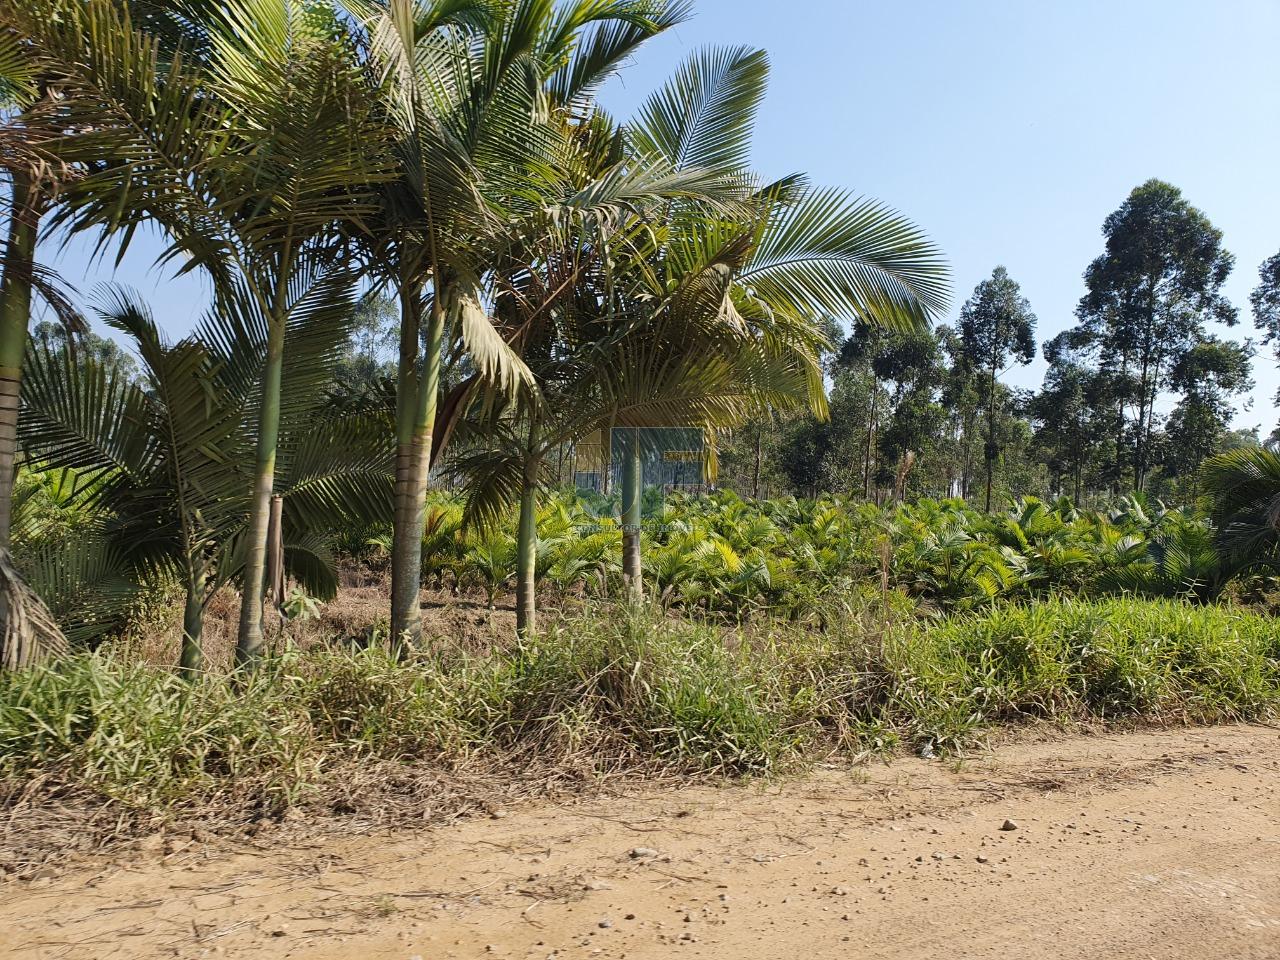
556, 272
723, 555
699, 312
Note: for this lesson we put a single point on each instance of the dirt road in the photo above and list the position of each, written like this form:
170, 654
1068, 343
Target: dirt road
1151, 845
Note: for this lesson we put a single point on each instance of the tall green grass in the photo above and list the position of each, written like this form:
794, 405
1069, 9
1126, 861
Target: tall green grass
616, 692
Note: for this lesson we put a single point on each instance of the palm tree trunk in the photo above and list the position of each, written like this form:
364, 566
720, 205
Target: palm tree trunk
406, 611
402, 551
15, 316
191, 660
249, 639
755, 473
527, 555
632, 483
871, 437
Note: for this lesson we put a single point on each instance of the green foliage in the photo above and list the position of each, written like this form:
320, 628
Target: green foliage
618, 691
1148, 298
789, 558
150, 465
1244, 490
1060, 659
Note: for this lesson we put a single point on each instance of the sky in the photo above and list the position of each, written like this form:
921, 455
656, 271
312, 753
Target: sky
1006, 129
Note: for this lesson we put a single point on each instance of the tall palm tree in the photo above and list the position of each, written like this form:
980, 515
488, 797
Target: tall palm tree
800, 254
250, 149
689, 314
478, 95
27, 629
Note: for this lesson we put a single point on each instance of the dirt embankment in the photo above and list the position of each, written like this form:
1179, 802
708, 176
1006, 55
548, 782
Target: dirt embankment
1151, 845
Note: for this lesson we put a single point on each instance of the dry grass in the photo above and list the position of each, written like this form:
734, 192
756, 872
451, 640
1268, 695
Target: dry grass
113, 746
354, 618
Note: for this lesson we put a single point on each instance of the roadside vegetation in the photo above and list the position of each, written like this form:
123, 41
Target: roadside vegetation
441, 273
610, 692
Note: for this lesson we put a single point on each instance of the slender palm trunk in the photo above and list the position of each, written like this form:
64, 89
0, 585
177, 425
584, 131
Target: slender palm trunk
871, 439
527, 556
15, 315
275, 552
632, 477
406, 611
191, 660
249, 639
755, 474
402, 552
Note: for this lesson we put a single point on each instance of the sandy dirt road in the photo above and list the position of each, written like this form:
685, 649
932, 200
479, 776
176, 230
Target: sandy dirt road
1147, 845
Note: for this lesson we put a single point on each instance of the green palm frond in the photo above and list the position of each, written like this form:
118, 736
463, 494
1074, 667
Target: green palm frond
703, 117
1244, 489
828, 252
309, 558
338, 472
87, 583
80, 415
612, 35
17, 73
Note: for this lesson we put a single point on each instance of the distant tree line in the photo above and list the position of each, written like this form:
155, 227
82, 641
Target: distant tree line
1137, 394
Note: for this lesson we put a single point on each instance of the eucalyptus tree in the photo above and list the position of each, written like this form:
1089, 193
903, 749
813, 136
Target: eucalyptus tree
910, 363
1148, 297
1069, 424
996, 326
165, 459
249, 140
1208, 376
1265, 301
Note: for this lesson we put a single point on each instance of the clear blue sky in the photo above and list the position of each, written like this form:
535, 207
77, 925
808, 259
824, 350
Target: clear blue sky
1008, 130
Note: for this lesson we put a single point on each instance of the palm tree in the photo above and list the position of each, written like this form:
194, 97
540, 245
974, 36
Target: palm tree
690, 314
1244, 490
798, 255
27, 629
248, 148
476, 94
164, 461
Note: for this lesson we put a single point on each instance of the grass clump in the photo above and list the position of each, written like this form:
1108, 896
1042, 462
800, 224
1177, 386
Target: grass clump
614, 693
1154, 660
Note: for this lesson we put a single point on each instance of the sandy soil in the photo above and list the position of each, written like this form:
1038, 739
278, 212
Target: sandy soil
1150, 845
